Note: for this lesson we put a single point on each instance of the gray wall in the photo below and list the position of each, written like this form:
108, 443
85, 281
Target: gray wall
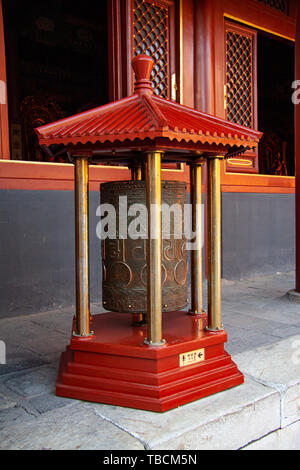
37, 262
258, 234
37, 244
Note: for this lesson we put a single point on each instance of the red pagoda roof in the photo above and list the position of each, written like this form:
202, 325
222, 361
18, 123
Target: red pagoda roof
146, 116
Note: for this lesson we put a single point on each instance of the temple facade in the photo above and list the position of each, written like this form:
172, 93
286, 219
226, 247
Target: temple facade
235, 60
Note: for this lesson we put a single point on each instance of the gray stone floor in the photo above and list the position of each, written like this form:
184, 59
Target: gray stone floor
256, 312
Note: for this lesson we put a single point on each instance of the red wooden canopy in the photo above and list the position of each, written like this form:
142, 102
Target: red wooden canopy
145, 119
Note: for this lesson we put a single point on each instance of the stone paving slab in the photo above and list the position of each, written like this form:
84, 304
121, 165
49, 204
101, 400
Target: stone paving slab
15, 415
5, 402
59, 321
282, 439
71, 428
227, 420
13, 409
33, 336
32, 383
250, 340
278, 366
280, 314
19, 358
48, 402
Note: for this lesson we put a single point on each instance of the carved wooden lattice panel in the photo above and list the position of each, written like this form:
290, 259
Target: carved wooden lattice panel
239, 77
151, 36
280, 5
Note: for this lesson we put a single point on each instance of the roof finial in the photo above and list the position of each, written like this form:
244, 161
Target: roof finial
142, 65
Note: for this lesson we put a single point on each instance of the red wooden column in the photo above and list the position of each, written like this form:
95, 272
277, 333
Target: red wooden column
297, 153
204, 75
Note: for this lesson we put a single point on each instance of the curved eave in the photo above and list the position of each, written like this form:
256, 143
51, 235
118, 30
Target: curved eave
172, 136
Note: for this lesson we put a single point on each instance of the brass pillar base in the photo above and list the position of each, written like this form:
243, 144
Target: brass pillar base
151, 343
221, 328
196, 313
78, 335
200, 318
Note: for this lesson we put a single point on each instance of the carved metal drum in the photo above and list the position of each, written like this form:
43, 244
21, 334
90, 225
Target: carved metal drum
124, 258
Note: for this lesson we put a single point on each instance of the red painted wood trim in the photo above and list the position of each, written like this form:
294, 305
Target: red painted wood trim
51, 176
262, 16
242, 182
4, 128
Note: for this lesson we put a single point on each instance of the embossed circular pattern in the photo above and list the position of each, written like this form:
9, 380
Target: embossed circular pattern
144, 275
180, 272
121, 274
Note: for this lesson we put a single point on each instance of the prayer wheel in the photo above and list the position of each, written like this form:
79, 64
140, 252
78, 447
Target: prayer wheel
179, 356
124, 257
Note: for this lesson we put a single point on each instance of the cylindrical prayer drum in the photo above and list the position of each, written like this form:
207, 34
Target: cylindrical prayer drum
124, 251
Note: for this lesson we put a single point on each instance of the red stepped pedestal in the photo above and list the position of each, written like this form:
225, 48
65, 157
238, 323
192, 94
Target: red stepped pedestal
115, 367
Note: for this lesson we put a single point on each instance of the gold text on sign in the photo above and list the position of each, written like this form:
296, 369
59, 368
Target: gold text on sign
191, 357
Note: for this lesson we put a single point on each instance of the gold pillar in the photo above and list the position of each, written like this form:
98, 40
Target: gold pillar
136, 175
154, 245
214, 243
196, 253
136, 172
82, 246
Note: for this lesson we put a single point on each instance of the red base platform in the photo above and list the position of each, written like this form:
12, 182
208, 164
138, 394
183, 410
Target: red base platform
115, 367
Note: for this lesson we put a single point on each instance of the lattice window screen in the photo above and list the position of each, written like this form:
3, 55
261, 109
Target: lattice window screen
280, 5
239, 87
151, 36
